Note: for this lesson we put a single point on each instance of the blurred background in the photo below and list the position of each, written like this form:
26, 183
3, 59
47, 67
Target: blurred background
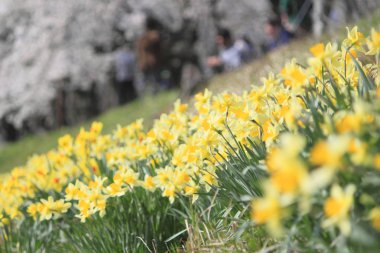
65, 61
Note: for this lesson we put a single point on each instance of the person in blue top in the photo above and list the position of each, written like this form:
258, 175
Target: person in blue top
276, 34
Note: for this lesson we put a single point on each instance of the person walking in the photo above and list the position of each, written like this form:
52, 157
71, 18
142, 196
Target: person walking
149, 56
125, 64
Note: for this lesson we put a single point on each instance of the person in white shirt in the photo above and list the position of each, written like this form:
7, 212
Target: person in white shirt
229, 57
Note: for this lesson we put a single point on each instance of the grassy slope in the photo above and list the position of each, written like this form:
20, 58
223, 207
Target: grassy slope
244, 77
148, 108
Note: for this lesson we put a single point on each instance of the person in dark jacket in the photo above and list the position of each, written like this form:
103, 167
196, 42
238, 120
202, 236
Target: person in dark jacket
276, 34
149, 55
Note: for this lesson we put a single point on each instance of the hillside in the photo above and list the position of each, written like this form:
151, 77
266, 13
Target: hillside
150, 108
244, 77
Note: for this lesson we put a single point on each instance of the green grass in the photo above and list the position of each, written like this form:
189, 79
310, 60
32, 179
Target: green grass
149, 108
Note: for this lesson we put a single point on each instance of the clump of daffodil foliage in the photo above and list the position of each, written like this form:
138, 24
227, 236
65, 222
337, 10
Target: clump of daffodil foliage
291, 165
